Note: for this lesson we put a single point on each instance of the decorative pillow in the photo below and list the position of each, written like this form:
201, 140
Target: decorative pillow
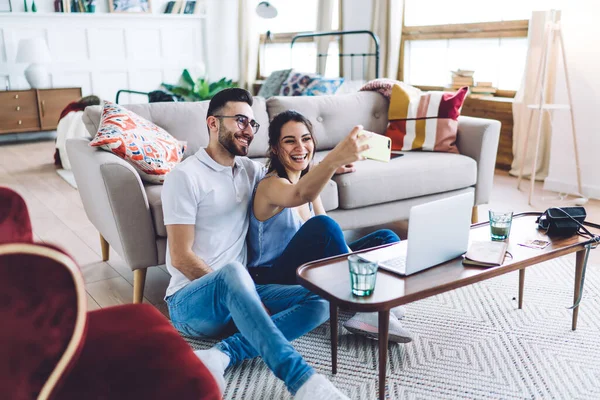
147, 147
420, 121
322, 86
296, 83
272, 85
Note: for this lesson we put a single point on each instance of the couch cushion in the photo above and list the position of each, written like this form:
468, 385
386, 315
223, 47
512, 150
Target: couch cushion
321, 86
273, 83
151, 150
186, 121
333, 117
413, 175
296, 83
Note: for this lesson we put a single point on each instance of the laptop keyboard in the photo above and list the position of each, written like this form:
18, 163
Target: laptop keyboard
397, 263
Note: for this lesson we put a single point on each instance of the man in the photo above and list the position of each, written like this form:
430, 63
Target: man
205, 203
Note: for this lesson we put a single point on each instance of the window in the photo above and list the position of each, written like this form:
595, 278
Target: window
275, 52
489, 38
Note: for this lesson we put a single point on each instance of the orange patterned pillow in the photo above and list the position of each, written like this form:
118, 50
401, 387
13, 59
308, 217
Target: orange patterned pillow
419, 120
151, 150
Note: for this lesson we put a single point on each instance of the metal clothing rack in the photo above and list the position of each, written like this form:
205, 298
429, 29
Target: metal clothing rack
352, 56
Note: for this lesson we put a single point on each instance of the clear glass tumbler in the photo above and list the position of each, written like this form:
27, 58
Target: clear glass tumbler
363, 275
500, 222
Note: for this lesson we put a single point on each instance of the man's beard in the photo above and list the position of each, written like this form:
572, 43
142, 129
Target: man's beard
227, 140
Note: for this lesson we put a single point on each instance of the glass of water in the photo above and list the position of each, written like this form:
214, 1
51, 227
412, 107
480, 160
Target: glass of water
363, 275
500, 222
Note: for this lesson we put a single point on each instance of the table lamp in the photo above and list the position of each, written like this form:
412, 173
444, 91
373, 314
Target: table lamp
35, 52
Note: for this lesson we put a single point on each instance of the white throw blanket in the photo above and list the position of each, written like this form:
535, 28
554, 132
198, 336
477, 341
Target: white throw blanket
71, 126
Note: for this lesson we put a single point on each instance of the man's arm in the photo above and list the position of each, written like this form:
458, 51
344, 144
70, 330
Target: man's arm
181, 239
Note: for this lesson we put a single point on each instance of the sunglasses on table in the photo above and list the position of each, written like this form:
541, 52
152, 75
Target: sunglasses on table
242, 121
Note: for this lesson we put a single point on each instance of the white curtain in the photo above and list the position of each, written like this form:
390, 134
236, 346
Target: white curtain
386, 22
248, 39
324, 24
540, 38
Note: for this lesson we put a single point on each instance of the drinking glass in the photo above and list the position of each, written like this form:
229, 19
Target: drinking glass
500, 222
363, 275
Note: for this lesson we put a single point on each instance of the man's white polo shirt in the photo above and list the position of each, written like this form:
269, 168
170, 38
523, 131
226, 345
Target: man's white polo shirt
215, 199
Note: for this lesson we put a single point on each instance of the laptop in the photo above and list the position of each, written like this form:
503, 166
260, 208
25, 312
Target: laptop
438, 231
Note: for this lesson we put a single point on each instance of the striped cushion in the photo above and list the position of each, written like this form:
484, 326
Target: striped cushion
421, 121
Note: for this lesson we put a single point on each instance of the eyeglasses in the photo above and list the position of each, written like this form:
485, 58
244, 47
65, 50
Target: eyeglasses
242, 121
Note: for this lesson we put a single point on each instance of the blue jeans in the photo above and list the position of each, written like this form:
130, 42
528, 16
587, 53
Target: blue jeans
318, 238
206, 306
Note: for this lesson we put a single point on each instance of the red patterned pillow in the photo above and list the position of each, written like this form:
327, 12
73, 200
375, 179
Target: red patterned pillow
151, 150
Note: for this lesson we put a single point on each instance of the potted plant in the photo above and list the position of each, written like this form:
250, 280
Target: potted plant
199, 89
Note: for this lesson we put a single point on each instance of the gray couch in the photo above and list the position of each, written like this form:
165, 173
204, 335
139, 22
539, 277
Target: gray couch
128, 213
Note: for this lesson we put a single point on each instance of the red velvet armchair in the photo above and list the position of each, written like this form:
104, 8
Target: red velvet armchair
53, 349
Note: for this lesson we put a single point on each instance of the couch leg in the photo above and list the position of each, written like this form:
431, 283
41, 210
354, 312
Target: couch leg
474, 215
139, 280
105, 248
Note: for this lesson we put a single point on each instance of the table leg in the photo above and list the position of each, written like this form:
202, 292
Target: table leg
384, 324
579, 264
333, 322
521, 286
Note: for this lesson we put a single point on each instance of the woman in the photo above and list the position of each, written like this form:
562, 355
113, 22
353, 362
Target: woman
288, 224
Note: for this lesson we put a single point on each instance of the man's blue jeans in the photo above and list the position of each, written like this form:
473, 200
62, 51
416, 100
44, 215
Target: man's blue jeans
207, 305
318, 238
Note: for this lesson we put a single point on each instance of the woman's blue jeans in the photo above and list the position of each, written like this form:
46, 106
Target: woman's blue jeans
318, 238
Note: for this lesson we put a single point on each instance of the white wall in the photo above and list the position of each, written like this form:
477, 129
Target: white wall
102, 53
222, 39
581, 31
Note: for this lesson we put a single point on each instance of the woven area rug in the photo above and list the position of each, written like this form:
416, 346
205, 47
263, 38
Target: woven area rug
469, 343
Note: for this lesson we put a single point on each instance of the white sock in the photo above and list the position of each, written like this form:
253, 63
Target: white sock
317, 387
216, 361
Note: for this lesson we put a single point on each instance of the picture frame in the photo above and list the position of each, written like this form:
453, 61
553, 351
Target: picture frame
129, 6
5, 6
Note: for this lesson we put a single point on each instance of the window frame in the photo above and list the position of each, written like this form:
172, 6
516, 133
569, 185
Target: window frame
478, 30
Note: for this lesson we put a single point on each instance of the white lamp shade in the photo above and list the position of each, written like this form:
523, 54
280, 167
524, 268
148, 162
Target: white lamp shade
33, 50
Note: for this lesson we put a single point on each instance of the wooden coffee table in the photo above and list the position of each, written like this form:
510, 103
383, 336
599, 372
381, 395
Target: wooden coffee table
330, 279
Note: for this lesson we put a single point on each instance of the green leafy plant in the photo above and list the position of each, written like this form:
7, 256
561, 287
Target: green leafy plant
199, 89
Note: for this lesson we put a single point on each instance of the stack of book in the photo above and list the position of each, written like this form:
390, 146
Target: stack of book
482, 90
461, 78
75, 6
181, 7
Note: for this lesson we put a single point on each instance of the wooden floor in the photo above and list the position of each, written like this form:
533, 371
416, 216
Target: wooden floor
58, 218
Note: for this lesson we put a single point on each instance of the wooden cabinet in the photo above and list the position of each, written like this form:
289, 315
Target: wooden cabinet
35, 109
500, 109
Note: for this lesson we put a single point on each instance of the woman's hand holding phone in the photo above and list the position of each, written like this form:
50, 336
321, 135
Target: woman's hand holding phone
350, 149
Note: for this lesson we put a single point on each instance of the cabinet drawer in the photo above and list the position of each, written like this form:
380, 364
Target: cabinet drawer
18, 111
52, 102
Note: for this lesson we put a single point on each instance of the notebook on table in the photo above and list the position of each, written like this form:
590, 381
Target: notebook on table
486, 253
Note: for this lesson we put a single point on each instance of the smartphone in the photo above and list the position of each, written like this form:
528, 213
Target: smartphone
380, 147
